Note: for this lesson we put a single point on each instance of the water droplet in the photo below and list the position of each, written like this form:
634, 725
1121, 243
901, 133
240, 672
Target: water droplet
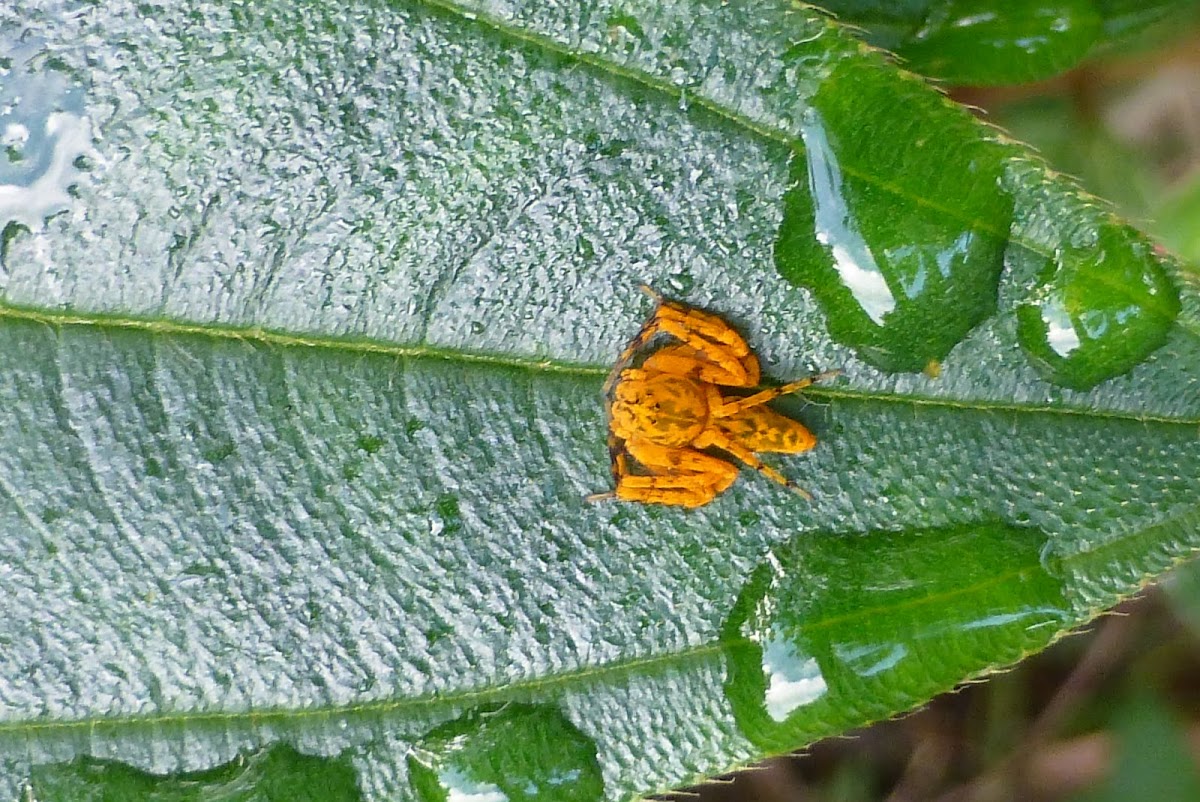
47, 143
624, 25
902, 270
287, 773
437, 632
218, 452
1098, 312
509, 753
825, 622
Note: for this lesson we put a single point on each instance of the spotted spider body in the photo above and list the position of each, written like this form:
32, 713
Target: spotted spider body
670, 413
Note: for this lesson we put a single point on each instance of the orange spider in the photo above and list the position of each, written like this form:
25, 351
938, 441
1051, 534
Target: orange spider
665, 412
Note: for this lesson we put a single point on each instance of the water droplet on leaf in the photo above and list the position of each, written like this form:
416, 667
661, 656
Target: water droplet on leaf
902, 245
826, 622
1098, 311
510, 753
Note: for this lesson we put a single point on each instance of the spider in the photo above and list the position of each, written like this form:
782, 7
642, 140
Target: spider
666, 412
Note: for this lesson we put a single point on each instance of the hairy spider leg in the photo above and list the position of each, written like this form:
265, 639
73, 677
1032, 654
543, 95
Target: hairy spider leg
684, 360
712, 337
679, 491
706, 324
649, 329
678, 476
705, 333
719, 439
737, 405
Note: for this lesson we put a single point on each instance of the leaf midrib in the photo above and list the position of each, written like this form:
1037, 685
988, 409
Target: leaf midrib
666, 659
157, 326
670, 659
270, 337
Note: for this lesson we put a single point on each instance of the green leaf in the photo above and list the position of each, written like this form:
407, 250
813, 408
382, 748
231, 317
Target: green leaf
302, 382
985, 42
1132, 177
473, 757
278, 774
813, 642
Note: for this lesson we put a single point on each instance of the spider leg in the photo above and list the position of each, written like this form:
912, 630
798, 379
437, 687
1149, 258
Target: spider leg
714, 340
705, 324
618, 466
667, 461
671, 491
715, 437
731, 408
680, 477
718, 353
649, 329
684, 360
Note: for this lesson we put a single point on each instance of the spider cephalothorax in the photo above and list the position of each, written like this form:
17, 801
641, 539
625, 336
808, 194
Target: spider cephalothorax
668, 412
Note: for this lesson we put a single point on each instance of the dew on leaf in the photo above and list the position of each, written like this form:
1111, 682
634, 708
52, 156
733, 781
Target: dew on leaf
811, 630
1097, 311
201, 569
513, 753
438, 632
369, 443
219, 452
904, 264
287, 773
448, 514
46, 139
1047, 35
681, 282
626, 22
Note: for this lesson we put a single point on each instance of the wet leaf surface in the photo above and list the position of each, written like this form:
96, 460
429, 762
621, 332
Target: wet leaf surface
302, 379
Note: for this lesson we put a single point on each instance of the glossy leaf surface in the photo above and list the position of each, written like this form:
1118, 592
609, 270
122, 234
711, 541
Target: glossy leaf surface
278, 774
302, 378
